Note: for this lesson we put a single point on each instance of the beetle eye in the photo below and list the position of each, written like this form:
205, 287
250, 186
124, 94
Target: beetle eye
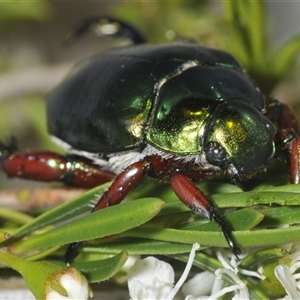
216, 154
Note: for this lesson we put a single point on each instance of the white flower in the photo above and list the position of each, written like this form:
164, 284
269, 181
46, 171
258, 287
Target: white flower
200, 284
75, 286
239, 288
210, 286
284, 275
151, 278
287, 276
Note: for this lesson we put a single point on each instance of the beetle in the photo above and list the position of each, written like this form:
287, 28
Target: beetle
177, 112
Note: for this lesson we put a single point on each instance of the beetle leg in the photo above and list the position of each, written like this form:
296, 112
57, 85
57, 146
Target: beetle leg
288, 133
102, 26
121, 186
281, 114
200, 204
295, 160
49, 166
287, 136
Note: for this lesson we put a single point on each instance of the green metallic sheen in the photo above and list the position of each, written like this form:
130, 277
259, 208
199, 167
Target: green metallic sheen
245, 134
187, 101
161, 95
113, 108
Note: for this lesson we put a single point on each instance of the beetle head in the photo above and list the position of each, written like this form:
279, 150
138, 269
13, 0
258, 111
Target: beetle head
238, 139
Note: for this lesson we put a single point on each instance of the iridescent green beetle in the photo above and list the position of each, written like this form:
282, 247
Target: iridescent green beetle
181, 99
177, 112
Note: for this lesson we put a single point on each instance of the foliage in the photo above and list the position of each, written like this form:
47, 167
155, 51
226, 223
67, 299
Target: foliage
17, 10
233, 31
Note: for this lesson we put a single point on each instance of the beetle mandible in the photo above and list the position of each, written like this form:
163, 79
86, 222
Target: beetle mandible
178, 112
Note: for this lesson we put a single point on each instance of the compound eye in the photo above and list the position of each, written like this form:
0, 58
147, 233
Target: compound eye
216, 154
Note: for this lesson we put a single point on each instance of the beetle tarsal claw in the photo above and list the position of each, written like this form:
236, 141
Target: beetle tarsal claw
226, 231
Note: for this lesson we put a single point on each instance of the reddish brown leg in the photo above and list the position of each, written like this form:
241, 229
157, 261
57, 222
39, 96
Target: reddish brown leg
121, 186
200, 204
289, 133
287, 119
287, 136
49, 166
282, 115
155, 166
295, 160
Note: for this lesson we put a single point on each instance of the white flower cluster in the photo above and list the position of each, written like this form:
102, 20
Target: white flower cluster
151, 278
213, 285
287, 274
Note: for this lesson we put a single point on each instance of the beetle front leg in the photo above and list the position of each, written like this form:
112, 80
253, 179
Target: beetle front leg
121, 186
200, 204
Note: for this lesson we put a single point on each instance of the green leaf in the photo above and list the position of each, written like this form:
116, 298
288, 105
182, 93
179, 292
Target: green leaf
247, 39
245, 199
244, 219
62, 213
280, 216
283, 58
204, 238
268, 237
101, 270
105, 222
140, 247
269, 197
17, 10
249, 11
245, 238
14, 216
261, 258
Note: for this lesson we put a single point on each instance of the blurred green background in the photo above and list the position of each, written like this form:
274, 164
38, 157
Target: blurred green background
33, 60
